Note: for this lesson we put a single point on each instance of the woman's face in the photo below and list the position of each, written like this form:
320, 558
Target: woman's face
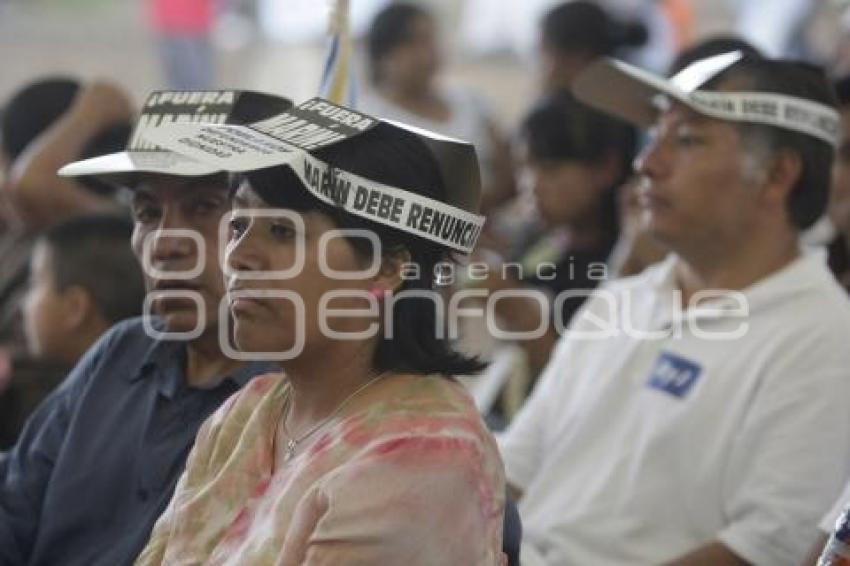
558, 69
565, 192
414, 63
285, 309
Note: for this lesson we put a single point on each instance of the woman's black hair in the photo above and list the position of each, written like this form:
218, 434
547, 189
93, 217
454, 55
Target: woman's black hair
390, 28
560, 128
398, 158
586, 28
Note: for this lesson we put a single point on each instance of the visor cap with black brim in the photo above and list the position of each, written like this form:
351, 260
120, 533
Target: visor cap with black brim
291, 138
166, 107
632, 94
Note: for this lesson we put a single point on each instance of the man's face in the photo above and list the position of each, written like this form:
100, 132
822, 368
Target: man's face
165, 203
695, 193
415, 62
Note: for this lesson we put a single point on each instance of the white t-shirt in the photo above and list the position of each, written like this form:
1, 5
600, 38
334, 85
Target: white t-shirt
635, 450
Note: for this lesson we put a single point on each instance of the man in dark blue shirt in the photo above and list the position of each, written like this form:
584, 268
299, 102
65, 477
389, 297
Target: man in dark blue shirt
98, 461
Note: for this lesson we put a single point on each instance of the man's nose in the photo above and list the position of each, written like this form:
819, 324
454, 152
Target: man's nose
172, 243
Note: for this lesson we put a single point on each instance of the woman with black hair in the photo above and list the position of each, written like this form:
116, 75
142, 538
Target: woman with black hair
574, 159
574, 33
366, 451
405, 63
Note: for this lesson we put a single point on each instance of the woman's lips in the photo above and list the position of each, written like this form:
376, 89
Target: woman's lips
175, 285
245, 304
241, 301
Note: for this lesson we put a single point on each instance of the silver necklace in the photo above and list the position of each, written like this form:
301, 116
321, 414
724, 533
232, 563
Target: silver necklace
293, 442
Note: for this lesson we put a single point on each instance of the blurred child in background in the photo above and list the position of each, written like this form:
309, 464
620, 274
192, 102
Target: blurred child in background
405, 65
83, 279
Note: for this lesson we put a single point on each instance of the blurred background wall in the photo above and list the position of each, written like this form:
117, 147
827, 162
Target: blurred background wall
277, 45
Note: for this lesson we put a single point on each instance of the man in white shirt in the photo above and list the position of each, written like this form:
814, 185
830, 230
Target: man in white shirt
679, 424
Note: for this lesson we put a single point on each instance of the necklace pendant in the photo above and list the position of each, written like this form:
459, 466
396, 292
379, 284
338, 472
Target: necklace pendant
289, 453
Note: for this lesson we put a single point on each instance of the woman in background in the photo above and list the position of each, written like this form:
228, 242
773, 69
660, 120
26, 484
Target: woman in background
574, 159
573, 34
404, 64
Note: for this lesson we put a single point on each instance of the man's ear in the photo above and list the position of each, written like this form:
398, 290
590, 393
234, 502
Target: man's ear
77, 307
784, 171
390, 274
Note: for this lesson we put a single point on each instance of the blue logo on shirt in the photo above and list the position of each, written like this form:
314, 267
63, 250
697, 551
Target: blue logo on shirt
674, 375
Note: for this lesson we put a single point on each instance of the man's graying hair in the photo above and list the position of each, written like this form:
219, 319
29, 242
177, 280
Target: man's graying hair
808, 198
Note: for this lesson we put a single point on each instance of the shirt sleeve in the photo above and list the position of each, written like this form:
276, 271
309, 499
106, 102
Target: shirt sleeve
415, 500
522, 444
28, 466
787, 465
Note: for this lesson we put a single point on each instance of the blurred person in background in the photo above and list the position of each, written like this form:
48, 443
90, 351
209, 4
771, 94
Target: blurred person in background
573, 34
404, 67
183, 34
25, 116
83, 279
574, 158
48, 124
43, 126
670, 26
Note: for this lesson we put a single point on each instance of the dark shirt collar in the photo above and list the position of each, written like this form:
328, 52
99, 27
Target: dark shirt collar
165, 361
